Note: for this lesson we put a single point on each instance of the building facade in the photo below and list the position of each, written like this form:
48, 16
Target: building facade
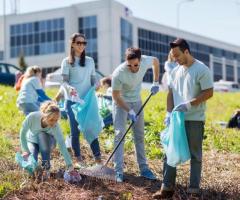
43, 38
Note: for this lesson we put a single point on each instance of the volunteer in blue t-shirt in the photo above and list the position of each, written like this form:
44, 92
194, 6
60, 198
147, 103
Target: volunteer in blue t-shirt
78, 71
31, 93
126, 93
190, 86
39, 131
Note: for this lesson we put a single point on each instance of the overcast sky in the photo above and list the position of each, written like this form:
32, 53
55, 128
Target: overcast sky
217, 19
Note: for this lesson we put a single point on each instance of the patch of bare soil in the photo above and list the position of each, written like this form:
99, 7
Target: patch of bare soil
220, 180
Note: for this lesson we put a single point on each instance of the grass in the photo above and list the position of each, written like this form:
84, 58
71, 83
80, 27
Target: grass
219, 108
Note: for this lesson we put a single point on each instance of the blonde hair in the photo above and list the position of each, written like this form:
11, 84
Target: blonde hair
32, 71
49, 108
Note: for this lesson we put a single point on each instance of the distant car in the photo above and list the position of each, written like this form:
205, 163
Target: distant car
54, 79
226, 86
8, 73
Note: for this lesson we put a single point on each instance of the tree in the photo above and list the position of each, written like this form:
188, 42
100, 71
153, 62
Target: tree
21, 61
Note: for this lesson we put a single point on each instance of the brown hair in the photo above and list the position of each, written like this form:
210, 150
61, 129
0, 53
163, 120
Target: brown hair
49, 108
106, 80
133, 53
71, 58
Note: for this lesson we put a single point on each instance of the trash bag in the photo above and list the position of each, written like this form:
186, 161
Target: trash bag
234, 121
29, 165
174, 140
90, 122
72, 177
68, 142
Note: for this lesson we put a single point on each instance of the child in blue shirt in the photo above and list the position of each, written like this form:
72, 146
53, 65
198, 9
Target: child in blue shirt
38, 134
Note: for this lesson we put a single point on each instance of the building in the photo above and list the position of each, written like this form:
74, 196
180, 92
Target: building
42, 37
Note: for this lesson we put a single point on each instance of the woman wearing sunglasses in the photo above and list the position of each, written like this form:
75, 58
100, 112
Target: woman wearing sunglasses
78, 71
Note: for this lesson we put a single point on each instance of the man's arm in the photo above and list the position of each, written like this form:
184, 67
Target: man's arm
203, 96
119, 100
155, 68
170, 103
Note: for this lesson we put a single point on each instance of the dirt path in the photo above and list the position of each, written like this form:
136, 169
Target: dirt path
220, 180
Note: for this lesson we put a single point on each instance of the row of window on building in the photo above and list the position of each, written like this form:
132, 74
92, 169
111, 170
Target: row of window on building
38, 26
195, 46
48, 36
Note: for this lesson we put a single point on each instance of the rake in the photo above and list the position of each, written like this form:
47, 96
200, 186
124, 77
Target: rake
103, 171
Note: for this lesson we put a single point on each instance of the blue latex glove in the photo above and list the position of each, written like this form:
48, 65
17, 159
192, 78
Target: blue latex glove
132, 115
183, 107
167, 119
155, 88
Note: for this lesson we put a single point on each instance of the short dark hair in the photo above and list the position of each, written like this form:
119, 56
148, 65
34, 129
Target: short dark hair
106, 80
181, 43
133, 53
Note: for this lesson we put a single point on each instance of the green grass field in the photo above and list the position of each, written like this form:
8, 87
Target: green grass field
219, 108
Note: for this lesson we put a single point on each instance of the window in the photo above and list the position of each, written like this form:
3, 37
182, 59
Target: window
238, 74
229, 55
217, 52
88, 26
154, 44
126, 36
33, 37
12, 69
229, 73
217, 71
1, 55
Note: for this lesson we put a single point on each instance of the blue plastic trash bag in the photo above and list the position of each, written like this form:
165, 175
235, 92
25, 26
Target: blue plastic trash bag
174, 140
29, 165
90, 123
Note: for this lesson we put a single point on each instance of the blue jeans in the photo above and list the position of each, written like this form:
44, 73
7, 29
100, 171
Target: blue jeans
45, 145
119, 123
194, 131
75, 134
29, 107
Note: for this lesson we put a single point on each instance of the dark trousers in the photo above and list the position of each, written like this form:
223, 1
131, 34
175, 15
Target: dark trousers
194, 131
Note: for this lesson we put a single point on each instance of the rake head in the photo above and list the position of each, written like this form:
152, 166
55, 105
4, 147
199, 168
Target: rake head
99, 172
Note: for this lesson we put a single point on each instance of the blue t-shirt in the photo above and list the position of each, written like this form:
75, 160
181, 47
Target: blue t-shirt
28, 93
79, 77
130, 83
187, 83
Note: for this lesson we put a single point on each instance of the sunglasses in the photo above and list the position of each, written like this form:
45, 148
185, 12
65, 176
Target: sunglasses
81, 43
136, 65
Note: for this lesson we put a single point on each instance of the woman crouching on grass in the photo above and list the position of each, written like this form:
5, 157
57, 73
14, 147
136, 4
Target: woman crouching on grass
39, 131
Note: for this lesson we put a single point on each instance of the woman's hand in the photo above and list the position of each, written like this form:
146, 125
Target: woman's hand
25, 155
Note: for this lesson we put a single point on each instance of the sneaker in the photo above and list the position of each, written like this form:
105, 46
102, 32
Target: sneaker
42, 175
80, 163
45, 175
147, 173
163, 193
119, 177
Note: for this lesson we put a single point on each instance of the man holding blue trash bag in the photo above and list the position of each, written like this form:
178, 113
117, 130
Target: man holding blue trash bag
190, 86
126, 88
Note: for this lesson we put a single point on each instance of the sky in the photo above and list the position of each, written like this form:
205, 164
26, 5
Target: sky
217, 19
